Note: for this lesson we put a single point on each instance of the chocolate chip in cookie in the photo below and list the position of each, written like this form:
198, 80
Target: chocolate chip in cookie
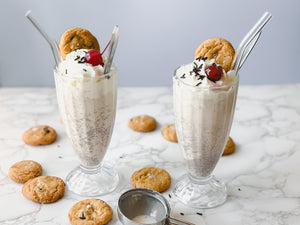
39, 135
219, 49
77, 38
24, 170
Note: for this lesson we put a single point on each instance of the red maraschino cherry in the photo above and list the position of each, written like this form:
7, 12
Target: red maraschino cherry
214, 72
94, 57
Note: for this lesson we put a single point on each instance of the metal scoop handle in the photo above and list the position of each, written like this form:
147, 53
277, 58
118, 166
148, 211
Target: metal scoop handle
173, 221
249, 41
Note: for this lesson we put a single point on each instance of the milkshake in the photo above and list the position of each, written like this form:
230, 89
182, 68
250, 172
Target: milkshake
204, 96
87, 103
204, 114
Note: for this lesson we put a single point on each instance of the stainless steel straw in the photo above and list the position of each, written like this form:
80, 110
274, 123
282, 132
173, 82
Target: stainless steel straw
52, 43
112, 49
248, 42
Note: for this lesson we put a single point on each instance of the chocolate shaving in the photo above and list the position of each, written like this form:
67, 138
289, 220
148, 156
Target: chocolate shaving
82, 216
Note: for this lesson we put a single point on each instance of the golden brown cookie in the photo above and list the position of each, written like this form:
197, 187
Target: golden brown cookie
90, 212
230, 147
153, 178
169, 132
44, 189
142, 123
219, 49
77, 38
24, 170
39, 135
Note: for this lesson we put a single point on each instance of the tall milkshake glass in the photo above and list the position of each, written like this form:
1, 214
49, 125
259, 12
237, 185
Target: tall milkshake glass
87, 107
203, 118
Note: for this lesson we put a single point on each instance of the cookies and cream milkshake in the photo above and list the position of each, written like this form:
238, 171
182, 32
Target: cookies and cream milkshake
204, 96
204, 111
87, 103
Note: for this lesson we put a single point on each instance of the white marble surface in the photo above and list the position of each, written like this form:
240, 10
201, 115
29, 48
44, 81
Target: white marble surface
262, 176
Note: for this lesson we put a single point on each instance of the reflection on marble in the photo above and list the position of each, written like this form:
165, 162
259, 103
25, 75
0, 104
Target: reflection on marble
262, 176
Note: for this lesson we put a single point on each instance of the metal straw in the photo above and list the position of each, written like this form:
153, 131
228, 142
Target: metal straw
248, 42
51, 42
112, 49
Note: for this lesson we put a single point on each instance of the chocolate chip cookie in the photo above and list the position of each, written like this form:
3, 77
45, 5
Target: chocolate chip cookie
24, 170
39, 135
230, 147
142, 123
77, 38
169, 132
90, 212
44, 189
219, 49
153, 178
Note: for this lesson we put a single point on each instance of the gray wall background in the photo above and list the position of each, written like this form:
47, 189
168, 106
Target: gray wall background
156, 36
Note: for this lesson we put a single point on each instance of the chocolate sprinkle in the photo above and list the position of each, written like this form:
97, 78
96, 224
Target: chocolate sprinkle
198, 84
84, 70
78, 57
170, 196
239, 189
66, 71
107, 77
183, 76
200, 214
82, 60
82, 216
182, 214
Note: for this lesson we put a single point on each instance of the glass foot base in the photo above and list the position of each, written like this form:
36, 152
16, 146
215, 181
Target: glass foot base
92, 181
200, 193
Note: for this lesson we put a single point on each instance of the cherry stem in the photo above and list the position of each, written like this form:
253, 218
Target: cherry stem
105, 47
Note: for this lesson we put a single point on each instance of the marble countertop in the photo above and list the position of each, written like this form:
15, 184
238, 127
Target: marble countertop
262, 176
